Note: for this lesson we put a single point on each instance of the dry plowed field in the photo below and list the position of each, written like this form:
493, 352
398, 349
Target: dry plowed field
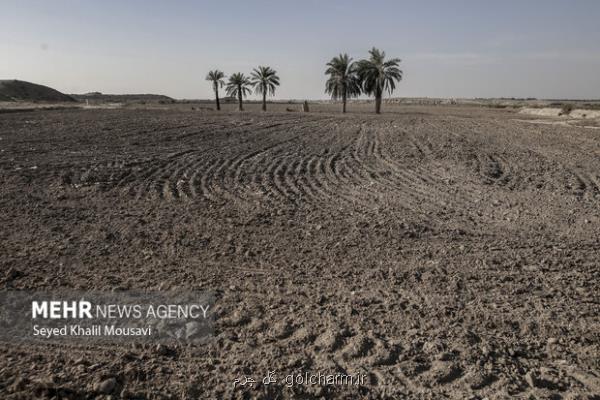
441, 252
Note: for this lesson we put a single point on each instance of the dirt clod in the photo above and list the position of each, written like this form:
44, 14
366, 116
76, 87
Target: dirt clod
443, 252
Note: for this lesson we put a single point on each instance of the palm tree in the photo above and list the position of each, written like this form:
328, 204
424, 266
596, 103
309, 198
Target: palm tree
378, 75
238, 85
264, 80
343, 81
216, 77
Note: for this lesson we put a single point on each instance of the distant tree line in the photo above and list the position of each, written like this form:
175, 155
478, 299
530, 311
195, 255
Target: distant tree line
372, 76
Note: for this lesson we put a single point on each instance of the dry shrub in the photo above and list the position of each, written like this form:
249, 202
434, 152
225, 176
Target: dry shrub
566, 109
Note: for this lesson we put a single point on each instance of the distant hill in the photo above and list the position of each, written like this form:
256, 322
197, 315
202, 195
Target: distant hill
15, 90
115, 98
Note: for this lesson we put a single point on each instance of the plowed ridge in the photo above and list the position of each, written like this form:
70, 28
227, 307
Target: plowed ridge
422, 165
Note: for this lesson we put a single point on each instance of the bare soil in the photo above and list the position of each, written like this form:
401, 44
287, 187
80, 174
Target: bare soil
442, 252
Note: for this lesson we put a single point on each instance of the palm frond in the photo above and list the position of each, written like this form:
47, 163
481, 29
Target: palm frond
377, 74
343, 78
216, 77
238, 83
264, 80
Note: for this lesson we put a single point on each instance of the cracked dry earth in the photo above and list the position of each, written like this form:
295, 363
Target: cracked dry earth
443, 252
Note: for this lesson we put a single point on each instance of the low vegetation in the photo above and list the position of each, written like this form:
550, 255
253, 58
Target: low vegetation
566, 109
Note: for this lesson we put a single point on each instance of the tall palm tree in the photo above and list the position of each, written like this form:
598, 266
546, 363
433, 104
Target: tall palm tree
264, 80
216, 77
238, 85
343, 81
378, 75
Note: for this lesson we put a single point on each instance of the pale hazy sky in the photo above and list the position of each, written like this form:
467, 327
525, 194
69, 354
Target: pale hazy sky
478, 48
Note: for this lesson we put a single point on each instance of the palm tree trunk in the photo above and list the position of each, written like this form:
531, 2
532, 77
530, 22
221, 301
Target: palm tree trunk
264, 106
240, 107
344, 102
378, 102
217, 98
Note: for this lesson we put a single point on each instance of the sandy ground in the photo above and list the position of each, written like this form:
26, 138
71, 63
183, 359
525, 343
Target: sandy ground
440, 252
558, 112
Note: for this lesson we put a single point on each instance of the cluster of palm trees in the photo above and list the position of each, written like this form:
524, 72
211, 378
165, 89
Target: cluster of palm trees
263, 80
372, 76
